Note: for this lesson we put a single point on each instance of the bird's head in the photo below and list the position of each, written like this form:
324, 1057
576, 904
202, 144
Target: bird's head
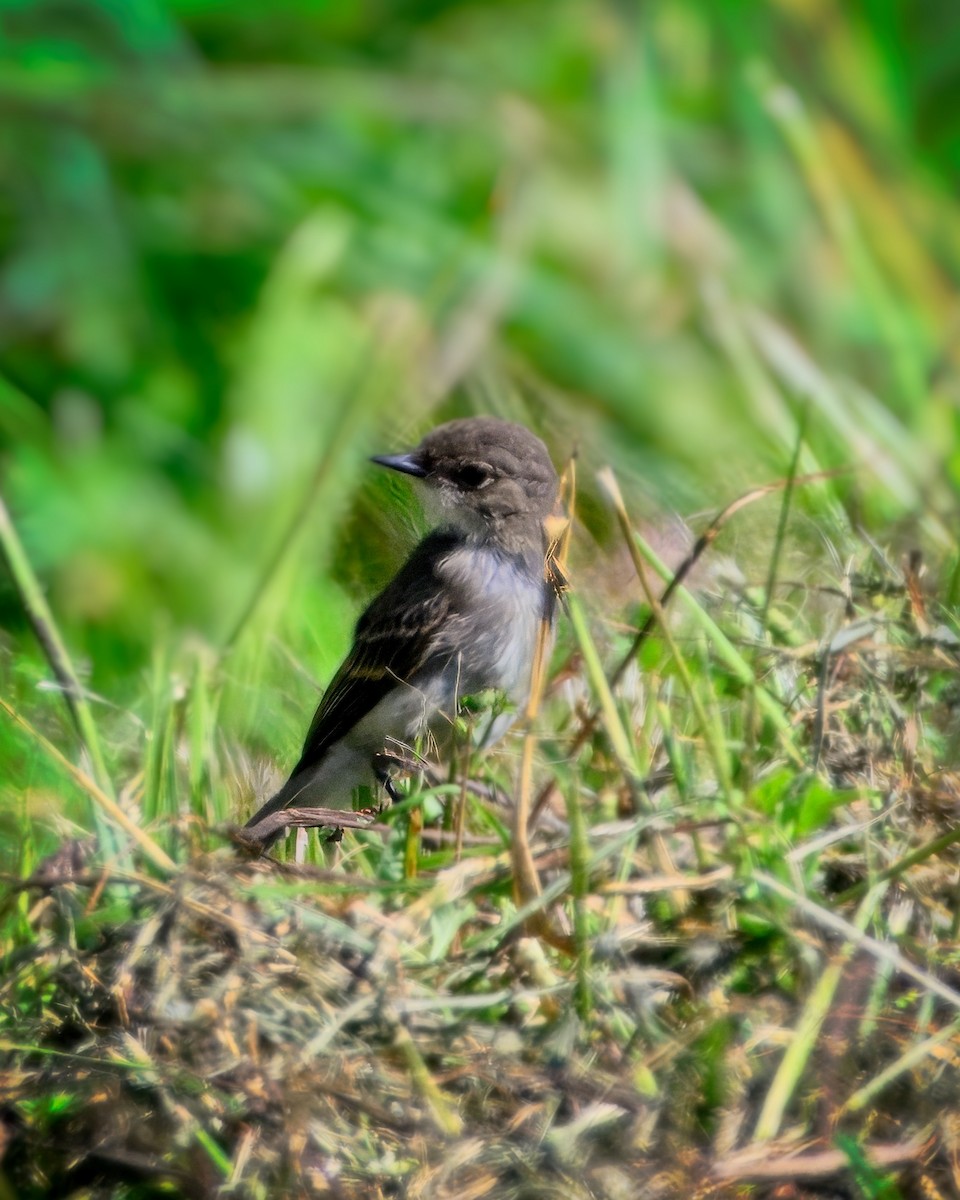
485, 476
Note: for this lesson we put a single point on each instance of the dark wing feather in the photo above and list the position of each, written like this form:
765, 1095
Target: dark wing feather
394, 638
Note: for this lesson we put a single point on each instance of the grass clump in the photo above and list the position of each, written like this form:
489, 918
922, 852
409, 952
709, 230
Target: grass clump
748, 978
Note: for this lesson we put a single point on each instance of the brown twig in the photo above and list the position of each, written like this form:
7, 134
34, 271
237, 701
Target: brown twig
526, 881
760, 1164
306, 818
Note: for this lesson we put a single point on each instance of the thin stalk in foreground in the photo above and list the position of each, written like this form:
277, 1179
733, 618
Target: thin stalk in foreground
102, 801
526, 881
864, 1096
715, 747
45, 627
771, 581
579, 889
724, 647
731, 656
795, 1060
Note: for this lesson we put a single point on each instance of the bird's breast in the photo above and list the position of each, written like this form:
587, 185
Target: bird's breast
495, 629
487, 642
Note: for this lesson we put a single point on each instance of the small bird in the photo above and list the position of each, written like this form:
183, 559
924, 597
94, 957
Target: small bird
461, 616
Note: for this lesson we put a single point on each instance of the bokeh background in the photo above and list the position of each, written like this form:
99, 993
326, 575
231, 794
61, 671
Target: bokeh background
244, 246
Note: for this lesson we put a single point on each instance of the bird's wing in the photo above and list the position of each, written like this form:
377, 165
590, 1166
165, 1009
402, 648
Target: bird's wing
394, 638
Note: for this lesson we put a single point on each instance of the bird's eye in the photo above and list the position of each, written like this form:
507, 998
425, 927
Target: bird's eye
472, 476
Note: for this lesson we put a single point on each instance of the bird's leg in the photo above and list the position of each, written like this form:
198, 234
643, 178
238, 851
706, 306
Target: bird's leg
382, 766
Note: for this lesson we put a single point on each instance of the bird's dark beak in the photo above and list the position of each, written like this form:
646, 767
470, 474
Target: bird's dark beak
407, 464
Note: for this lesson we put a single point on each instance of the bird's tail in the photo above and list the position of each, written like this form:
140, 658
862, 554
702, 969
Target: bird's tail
286, 797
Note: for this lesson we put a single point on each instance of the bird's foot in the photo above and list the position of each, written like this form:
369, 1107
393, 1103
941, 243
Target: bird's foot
383, 766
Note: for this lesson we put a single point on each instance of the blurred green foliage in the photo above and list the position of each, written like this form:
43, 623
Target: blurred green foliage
242, 247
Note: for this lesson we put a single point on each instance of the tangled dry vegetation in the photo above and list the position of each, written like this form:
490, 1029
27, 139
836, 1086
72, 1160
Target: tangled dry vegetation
739, 979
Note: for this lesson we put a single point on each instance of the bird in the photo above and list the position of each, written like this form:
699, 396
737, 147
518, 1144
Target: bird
462, 615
